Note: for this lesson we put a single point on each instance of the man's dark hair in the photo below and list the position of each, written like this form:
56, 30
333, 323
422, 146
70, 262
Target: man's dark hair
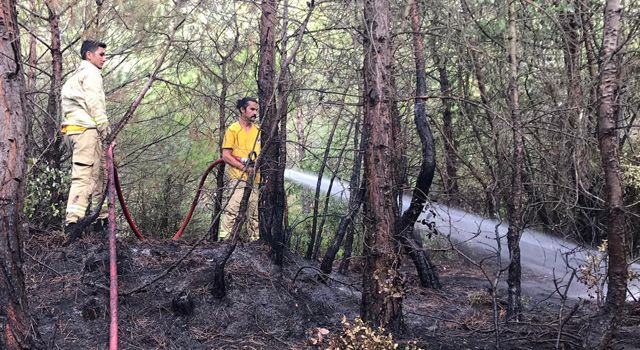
90, 46
244, 102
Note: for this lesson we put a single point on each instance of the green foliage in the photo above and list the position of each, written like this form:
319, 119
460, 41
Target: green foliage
46, 190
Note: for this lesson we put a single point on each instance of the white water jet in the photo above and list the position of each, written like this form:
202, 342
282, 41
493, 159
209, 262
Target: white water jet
545, 258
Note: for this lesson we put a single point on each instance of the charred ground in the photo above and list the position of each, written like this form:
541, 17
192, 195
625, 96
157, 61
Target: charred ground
265, 307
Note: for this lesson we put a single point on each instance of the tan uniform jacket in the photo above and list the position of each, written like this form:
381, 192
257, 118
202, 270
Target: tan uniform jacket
83, 102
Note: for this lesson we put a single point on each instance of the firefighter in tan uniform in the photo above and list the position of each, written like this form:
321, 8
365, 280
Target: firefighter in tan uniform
240, 147
84, 126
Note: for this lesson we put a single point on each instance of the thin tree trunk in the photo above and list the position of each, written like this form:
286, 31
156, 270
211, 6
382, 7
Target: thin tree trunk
30, 89
515, 205
284, 82
327, 197
355, 202
225, 58
592, 63
305, 198
347, 248
450, 144
404, 229
382, 287
52, 155
316, 198
493, 201
610, 155
214, 230
469, 114
15, 325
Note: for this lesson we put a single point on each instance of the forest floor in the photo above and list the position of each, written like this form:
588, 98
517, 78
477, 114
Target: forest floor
266, 307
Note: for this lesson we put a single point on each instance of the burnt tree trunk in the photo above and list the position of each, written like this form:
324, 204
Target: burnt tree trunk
15, 324
382, 289
218, 285
413, 243
323, 220
271, 203
515, 206
214, 230
347, 247
316, 197
355, 202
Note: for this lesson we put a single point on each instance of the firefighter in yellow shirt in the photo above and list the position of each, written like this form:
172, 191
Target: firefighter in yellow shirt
84, 126
240, 147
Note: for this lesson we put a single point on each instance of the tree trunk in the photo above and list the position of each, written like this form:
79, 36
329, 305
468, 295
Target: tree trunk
214, 230
30, 86
284, 82
15, 325
515, 205
316, 198
592, 62
359, 188
404, 229
52, 155
382, 290
271, 203
325, 208
450, 144
355, 202
610, 156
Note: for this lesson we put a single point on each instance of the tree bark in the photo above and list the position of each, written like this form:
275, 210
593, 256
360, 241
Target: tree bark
610, 157
15, 325
404, 229
382, 290
271, 202
515, 206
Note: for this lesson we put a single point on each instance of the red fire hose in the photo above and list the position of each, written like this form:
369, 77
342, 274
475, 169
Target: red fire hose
124, 207
177, 235
113, 274
195, 200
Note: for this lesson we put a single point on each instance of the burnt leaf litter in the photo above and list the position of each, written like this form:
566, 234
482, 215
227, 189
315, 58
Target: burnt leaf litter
266, 307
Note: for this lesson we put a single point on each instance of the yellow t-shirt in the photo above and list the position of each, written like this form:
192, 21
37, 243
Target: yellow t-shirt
241, 142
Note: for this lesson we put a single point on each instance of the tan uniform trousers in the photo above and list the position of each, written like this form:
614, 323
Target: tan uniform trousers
235, 189
87, 175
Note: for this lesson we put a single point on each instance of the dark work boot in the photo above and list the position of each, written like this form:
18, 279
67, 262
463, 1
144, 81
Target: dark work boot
73, 231
100, 227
